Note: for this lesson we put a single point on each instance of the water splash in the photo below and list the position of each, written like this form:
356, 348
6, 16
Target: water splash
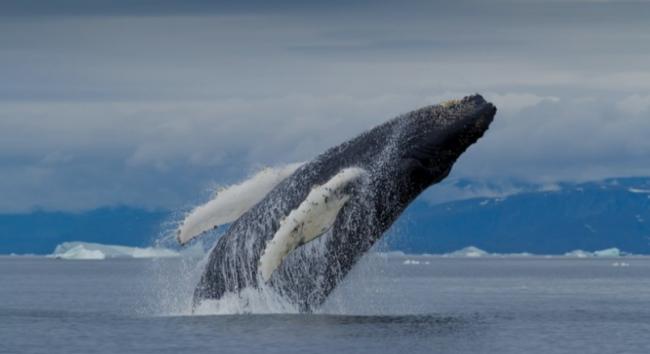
310, 272
171, 285
263, 300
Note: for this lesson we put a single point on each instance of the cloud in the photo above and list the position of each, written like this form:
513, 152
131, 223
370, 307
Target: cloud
123, 103
565, 139
512, 103
635, 104
508, 103
164, 154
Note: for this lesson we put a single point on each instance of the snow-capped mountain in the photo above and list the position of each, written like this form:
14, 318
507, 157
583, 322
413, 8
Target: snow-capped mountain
589, 216
508, 218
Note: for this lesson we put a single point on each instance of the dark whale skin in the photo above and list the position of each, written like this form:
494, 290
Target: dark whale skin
403, 157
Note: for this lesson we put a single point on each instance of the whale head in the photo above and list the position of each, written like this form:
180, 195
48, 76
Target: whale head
434, 137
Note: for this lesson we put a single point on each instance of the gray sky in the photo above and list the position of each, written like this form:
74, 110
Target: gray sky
154, 105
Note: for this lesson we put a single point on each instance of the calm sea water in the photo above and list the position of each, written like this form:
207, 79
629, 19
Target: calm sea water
429, 305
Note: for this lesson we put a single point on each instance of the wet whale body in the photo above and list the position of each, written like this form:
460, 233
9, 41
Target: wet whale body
302, 236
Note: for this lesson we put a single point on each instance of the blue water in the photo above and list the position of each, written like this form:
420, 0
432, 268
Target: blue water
439, 305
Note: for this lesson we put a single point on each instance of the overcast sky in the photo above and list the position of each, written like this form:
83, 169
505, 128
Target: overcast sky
154, 104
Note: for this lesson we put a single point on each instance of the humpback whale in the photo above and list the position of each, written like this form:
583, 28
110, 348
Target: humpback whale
310, 223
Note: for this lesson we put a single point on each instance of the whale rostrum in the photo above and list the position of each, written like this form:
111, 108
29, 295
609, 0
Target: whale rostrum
315, 220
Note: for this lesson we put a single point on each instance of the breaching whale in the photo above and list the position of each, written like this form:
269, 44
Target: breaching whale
309, 223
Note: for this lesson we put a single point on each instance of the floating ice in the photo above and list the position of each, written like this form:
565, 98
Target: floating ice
475, 252
639, 191
470, 251
609, 252
411, 262
79, 252
579, 254
96, 251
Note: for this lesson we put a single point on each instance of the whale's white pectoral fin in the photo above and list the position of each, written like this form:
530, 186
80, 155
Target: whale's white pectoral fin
230, 203
313, 217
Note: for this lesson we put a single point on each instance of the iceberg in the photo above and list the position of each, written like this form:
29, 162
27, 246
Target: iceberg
410, 262
96, 251
470, 251
609, 252
79, 252
639, 191
475, 252
579, 254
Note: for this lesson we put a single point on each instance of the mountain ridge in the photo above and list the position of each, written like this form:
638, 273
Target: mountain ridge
590, 216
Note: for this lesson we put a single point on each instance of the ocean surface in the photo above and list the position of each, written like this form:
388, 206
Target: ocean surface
388, 304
